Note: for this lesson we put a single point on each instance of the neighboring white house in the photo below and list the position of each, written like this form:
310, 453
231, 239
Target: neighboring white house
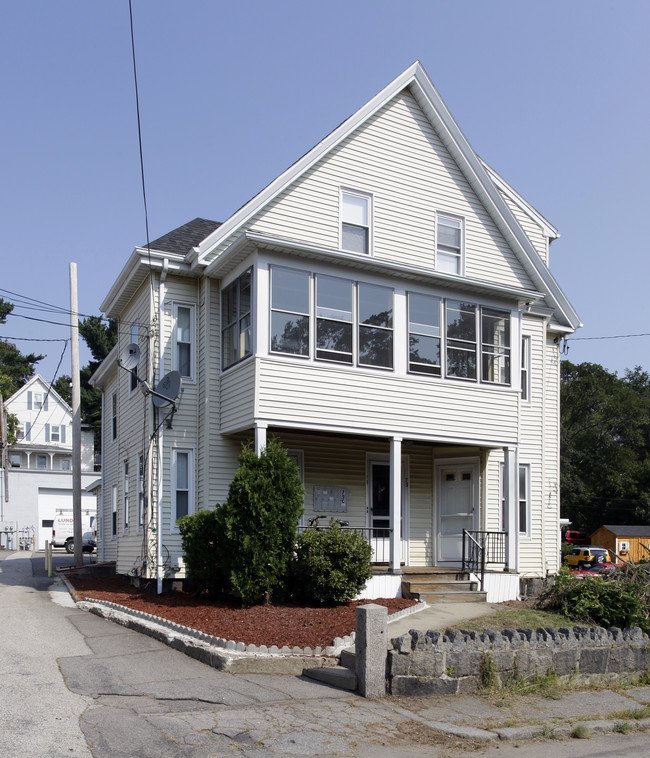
385, 308
39, 477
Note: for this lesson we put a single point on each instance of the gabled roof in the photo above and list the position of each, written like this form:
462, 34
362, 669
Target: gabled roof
38, 379
473, 168
627, 531
182, 239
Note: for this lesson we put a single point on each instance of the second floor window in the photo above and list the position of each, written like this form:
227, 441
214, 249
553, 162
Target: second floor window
236, 320
525, 369
424, 334
289, 311
183, 340
461, 339
449, 245
375, 325
334, 319
114, 418
355, 222
125, 490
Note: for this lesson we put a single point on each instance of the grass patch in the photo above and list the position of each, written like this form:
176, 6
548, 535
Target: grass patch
519, 618
632, 713
581, 732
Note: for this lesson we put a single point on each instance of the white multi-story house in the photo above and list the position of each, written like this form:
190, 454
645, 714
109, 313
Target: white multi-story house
385, 308
39, 473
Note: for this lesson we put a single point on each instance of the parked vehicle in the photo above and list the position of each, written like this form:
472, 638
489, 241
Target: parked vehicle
574, 537
63, 532
586, 556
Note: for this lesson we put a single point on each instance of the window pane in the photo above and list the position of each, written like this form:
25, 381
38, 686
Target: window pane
244, 337
334, 340
495, 327
449, 232
375, 305
290, 290
425, 351
182, 471
182, 503
229, 304
355, 209
334, 298
183, 359
354, 238
375, 346
448, 263
461, 321
229, 355
461, 363
244, 293
183, 321
496, 366
289, 333
424, 314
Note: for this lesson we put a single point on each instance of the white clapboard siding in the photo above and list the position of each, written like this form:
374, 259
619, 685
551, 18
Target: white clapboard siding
534, 231
398, 158
313, 395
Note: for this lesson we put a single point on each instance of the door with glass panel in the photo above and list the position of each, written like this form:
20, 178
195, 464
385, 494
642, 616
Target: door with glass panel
379, 512
457, 508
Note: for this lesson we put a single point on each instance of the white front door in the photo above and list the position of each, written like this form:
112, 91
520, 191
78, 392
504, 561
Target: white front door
457, 508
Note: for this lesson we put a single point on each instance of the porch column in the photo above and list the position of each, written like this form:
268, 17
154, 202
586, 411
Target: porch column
511, 506
260, 438
395, 503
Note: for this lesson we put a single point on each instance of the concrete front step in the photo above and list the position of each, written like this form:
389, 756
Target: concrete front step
335, 676
472, 596
410, 588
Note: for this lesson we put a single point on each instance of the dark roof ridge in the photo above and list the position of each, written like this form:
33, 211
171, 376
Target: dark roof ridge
182, 239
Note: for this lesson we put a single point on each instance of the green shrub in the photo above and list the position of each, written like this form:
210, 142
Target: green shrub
261, 518
204, 545
331, 565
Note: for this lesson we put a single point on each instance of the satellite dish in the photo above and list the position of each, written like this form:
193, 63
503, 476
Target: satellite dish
167, 390
130, 356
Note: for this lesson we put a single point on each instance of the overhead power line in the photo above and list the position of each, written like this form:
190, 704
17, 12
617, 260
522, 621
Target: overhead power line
610, 337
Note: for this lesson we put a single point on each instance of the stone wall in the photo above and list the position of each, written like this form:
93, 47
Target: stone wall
435, 663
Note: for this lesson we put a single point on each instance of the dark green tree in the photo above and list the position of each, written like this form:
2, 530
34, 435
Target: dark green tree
261, 518
605, 446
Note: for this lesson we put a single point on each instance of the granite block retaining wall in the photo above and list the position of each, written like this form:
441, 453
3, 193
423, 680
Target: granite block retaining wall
436, 663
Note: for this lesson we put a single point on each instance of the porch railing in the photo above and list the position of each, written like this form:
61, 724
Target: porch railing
378, 539
481, 549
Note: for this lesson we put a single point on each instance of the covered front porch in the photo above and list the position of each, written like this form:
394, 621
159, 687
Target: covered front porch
420, 504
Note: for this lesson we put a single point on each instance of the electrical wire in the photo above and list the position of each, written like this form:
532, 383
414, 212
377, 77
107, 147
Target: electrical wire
612, 337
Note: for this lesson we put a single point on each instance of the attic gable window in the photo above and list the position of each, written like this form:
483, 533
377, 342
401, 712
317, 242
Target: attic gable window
355, 222
236, 320
449, 245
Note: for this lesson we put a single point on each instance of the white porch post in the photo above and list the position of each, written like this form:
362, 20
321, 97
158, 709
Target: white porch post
511, 506
395, 503
260, 438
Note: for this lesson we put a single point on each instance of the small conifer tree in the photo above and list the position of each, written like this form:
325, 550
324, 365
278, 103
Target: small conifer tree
261, 518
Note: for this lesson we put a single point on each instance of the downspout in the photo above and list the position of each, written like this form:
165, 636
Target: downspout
159, 431
103, 490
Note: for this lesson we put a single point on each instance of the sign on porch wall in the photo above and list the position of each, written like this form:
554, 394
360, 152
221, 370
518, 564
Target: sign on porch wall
333, 499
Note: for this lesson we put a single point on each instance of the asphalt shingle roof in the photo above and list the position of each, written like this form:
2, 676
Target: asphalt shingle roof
628, 531
185, 237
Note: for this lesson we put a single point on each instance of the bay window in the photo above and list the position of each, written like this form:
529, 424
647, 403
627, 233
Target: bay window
236, 320
290, 309
461, 339
424, 333
334, 320
495, 346
375, 325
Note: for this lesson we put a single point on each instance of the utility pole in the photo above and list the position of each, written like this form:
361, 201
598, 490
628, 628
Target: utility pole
76, 419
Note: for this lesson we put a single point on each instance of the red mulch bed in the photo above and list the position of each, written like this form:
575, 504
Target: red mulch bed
292, 625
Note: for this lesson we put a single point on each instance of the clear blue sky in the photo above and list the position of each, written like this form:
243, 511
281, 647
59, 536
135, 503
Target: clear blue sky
554, 95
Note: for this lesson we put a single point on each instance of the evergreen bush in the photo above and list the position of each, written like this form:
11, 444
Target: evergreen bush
204, 545
261, 518
331, 565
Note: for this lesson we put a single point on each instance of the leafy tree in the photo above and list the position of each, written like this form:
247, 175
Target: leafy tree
261, 521
605, 439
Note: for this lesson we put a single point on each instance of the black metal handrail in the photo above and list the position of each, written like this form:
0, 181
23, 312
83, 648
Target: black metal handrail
377, 537
481, 549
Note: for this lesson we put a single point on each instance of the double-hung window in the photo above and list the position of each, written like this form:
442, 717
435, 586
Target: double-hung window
236, 320
525, 369
140, 491
424, 333
114, 510
184, 340
114, 417
523, 498
125, 491
290, 306
355, 222
495, 346
182, 484
334, 319
375, 325
449, 245
134, 370
461, 339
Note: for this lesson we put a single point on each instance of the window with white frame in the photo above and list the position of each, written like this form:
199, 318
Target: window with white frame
495, 346
182, 485
523, 498
236, 320
15, 460
114, 511
38, 400
355, 221
184, 340
334, 319
55, 433
449, 244
66, 464
41, 461
140, 491
290, 307
375, 337
125, 493
525, 369
114, 417
461, 333
424, 333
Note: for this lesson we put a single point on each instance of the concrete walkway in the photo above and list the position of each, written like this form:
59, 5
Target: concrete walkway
110, 692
